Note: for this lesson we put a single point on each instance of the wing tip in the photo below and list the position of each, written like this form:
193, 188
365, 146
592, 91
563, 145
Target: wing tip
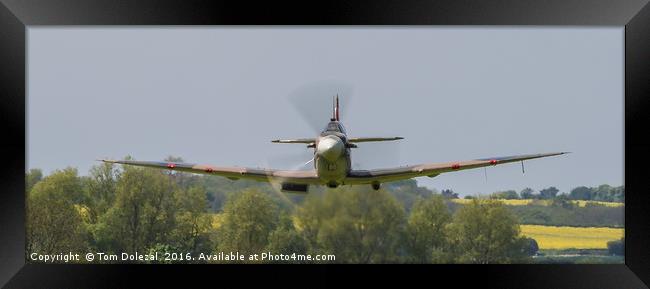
107, 161
554, 154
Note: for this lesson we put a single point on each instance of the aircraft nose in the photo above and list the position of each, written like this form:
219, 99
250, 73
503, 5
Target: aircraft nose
330, 148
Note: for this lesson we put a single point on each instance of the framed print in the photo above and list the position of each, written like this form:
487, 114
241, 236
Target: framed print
503, 140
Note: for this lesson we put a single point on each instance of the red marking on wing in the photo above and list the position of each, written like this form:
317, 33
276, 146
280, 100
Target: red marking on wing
494, 162
209, 170
455, 166
171, 166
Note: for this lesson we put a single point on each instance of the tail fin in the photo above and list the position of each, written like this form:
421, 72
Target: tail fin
336, 108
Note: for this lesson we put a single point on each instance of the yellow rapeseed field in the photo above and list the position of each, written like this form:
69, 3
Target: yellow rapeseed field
551, 237
547, 237
523, 202
607, 204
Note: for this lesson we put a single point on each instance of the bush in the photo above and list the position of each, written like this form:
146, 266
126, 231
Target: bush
532, 247
616, 247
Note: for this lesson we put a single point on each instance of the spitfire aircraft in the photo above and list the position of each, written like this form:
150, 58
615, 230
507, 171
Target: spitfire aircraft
332, 163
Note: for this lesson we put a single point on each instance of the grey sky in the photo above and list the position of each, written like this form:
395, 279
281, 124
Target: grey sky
219, 95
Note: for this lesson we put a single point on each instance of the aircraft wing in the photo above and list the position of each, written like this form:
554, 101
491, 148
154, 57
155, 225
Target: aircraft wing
297, 140
433, 169
368, 139
262, 175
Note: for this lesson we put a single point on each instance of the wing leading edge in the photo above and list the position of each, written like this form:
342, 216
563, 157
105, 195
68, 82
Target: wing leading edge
372, 139
298, 140
432, 170
354, 177
261, 175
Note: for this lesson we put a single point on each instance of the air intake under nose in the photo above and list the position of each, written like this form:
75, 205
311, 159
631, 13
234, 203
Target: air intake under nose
330, 148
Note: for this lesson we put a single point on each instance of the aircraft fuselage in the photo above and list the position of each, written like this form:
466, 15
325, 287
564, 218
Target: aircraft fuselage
332, 155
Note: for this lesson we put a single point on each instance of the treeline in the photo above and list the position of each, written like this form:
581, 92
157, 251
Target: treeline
111, 211
603, 193
128, 209
564, 213
567, 214
547, 208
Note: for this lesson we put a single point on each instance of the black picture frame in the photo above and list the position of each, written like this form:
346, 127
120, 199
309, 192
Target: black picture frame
634, 15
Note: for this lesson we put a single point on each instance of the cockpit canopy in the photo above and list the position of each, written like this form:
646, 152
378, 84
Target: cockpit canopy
334, 126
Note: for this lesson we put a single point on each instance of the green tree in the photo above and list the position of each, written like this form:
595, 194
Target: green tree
531, 247
358, 225
425, 230
616, 247
485, 232
618, 194
162, 249
602, 193
506, 195
407, 192
101, 186
581, 193
248, 219
191, 232
143, 213
548, 193
54, 219
285, 239
563, 200
32, 177
449, 194
527, 193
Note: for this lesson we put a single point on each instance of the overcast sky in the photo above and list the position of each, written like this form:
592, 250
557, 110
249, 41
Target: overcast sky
219, 95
